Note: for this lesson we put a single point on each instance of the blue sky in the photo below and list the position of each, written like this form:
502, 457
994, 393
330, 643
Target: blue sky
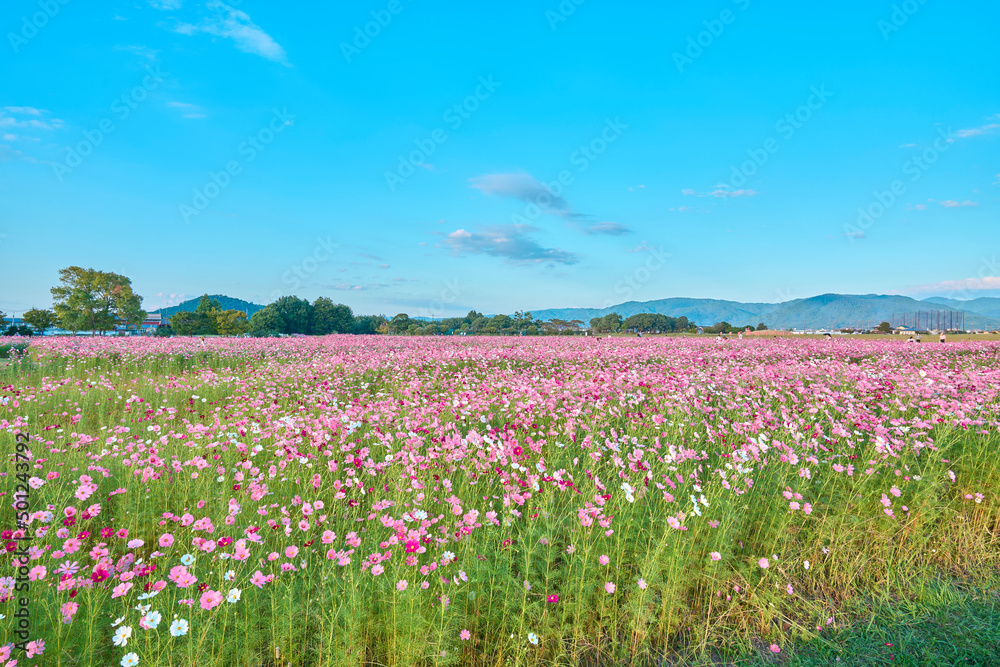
500, 156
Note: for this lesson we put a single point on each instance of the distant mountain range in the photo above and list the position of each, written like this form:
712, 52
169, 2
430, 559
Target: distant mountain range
227, 303
823, 311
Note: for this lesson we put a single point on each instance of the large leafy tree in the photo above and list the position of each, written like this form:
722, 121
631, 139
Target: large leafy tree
40, 320
294, 312
400, 323
185, 323
327, 317
207, 314
608, 324
231, 322
95, 300
266, 322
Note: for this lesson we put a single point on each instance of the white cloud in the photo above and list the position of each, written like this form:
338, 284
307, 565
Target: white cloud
230, 23
977, 131
526, 188
508, 241
721, 191
609, 228
984, 283
950, 203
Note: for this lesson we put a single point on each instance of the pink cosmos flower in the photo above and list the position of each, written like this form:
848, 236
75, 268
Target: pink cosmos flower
210, 599
291, 552
465, 635
121, 589
258, 579
764, 563
401, 585
34, 648
603, 560
609, 587
715, 555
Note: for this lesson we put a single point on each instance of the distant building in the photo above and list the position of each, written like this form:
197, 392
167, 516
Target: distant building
767, 332
152, 321
905, 331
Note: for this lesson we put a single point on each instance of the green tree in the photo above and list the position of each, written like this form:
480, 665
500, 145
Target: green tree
369, 324
885, 327
97, 300
266, 322
207, 313
399, 323
231, 322
608, 324
294, 312
327, 317
185, 323
39, 320
761, 326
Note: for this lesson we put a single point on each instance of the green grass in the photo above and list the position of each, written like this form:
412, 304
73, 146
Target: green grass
947, 623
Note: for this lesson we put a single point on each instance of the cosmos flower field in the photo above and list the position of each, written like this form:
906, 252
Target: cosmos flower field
356, 500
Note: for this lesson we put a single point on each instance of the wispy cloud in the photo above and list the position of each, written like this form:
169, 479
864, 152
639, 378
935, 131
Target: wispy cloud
146, 53
608, 228
988, 128
511, 242
951, 203
638, 187
190, 110
231, 23
854, 235
166, 5
970, 284
28, 117
526, 188
721, 191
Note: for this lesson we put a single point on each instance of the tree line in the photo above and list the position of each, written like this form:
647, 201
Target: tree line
101, 301
86, 300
